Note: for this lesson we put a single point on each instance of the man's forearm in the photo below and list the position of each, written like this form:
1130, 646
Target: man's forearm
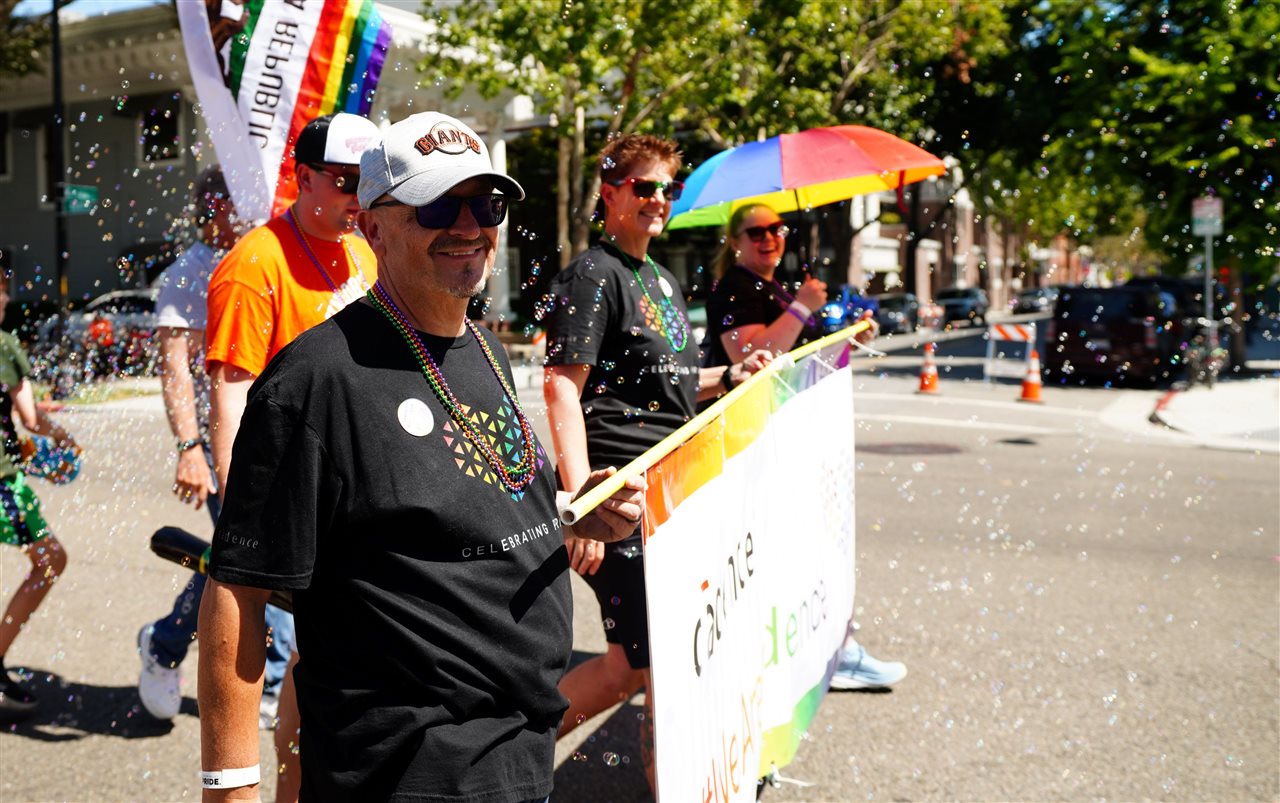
176, 384
228, 395
232, 654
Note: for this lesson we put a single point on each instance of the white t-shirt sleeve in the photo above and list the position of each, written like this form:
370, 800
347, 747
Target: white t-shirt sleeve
184, 286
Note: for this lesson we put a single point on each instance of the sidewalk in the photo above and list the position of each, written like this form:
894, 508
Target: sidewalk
1241, 414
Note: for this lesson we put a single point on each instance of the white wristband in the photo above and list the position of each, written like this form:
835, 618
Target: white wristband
800, 310
230, 779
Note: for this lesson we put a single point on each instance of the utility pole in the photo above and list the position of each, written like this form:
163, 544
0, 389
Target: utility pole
57, 167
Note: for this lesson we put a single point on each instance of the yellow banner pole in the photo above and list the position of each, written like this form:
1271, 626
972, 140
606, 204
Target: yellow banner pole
588, 501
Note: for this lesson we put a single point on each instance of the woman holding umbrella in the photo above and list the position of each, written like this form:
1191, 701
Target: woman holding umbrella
622, 373
749, 309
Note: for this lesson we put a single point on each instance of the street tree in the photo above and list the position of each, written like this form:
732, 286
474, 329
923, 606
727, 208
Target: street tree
637, 67
1178, 100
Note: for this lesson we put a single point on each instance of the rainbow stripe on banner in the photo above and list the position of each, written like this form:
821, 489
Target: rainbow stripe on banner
264, 68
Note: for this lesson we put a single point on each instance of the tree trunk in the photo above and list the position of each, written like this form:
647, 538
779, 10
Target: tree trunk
583, 196
563, 209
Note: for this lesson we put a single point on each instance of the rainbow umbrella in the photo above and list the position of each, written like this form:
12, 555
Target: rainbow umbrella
798, 171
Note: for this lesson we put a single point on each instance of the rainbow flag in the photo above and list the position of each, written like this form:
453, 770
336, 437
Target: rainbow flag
264, 68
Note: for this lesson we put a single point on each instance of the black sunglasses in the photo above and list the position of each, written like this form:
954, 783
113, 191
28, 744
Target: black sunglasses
347, 183
756, 233
488, 210
647, 188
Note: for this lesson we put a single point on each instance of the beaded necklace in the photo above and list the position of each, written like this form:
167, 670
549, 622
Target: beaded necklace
306, 246
515, 479
671, 323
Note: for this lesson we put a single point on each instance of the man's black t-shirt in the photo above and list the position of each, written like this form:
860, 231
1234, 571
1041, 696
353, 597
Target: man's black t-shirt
434, 616
742, 298
640, 388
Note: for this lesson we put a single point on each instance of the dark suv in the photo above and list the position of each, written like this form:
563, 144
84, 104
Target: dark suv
963, 304
1112, 333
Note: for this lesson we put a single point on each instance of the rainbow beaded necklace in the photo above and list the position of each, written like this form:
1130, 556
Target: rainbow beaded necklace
670, 322
515, 479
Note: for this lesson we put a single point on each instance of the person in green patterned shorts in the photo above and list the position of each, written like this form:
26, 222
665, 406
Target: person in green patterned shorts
21, 523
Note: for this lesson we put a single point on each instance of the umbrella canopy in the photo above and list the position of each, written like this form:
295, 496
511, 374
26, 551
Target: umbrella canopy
798, 171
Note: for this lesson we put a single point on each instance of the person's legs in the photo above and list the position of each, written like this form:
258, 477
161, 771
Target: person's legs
604, 681
171, 636
289, 780
598, 684
279, 649
48, 561
858, 669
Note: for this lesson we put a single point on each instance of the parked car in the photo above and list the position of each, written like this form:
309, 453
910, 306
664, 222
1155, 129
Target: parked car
1112, 333
899, 312
963, 304
845, 309
114, 333
1036, 299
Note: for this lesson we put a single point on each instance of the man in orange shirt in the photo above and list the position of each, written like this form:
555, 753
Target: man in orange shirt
284, 277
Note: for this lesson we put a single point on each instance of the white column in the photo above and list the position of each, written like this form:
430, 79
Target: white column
500, 282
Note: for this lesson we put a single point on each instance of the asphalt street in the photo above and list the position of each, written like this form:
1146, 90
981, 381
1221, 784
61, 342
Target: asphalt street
1087, 605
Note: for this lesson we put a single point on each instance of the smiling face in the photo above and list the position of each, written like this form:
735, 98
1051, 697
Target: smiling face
452, 262
760, 257
629, 217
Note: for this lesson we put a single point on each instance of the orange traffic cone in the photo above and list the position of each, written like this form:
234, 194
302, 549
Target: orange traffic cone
1031, 384
928, 371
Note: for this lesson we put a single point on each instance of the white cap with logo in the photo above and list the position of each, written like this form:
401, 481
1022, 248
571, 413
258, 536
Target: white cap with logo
424, 156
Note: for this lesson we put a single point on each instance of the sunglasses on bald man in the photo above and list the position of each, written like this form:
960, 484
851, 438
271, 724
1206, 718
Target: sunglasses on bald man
488, 210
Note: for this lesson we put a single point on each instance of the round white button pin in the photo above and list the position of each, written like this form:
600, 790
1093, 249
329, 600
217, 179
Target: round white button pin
415, 416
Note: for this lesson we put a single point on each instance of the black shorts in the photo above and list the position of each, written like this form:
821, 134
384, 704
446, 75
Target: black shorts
619, 589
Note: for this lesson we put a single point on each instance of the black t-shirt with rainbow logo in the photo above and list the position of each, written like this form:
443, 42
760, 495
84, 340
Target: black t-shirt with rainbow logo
433, 609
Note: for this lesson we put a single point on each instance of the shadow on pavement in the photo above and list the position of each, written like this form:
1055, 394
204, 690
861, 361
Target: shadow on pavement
69, 711
606, 766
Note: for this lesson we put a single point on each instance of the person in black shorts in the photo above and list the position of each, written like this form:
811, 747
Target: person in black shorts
385, 474
623, 372
21, 522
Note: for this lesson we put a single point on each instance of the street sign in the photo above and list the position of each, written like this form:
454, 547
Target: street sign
1206, 216
79, 199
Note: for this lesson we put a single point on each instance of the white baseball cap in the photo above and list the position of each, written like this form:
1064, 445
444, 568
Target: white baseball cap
424, 156
335, 139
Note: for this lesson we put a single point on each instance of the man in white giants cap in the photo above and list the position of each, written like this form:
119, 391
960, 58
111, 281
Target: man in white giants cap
281, 279
386, 475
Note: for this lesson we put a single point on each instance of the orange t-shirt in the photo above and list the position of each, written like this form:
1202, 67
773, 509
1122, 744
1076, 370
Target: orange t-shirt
267, 290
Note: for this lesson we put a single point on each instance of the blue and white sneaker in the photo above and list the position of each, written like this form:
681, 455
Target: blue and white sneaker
859, 670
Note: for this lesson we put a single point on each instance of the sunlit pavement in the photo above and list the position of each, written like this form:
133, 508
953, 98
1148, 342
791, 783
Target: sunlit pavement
1085, 600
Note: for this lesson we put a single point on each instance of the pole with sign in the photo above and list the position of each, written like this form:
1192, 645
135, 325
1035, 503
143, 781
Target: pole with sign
1206, 221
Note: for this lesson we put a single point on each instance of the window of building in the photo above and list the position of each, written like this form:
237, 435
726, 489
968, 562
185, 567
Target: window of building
160, 122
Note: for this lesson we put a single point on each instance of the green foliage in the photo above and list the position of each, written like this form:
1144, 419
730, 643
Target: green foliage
1179, 99
21, 40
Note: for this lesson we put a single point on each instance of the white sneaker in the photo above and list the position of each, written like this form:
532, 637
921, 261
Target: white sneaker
159, 687
268, 712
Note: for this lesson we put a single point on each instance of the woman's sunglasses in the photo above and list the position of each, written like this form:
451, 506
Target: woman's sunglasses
645, 188
346, 183
756, 233
488, 210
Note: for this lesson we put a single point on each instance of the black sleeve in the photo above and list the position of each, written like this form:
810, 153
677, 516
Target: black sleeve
281, 497
736, 301
584, 314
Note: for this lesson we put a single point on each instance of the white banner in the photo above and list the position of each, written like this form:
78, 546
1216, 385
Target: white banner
750, 582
